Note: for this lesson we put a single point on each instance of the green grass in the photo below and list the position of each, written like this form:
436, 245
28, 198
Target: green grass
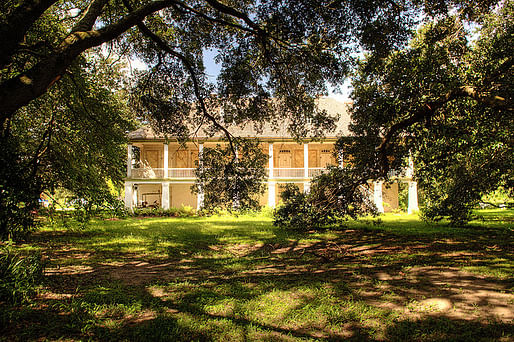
240, 278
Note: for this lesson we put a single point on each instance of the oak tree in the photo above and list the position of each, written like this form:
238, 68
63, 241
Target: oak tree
447, 101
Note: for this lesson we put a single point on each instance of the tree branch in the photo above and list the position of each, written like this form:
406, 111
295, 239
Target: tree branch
23, 88
429, 109
16, 25
164, 46
235, 13
90, 15
215, 20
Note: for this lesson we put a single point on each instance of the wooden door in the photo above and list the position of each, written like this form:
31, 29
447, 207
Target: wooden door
285, 159
298, 158
182, 159
152, 158
313, 158
326, 158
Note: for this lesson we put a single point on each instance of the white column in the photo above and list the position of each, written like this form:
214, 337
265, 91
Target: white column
271, 194
200, 197
200, 153
413, 188
270, 161
271, 184
410, 168
129, 203
166, 160
165, 200
413, 197
129, 160
306, 160
306, 184
134, 194
340, 157
377, 196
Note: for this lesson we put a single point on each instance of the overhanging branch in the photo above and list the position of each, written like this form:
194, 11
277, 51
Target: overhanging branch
187, 64
429, 109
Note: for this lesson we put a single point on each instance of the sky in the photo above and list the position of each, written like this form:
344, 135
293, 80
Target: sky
212, 70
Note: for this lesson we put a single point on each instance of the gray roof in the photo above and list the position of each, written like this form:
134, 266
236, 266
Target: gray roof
268, 131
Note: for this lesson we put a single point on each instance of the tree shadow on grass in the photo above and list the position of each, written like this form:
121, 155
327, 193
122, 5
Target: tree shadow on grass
207, 286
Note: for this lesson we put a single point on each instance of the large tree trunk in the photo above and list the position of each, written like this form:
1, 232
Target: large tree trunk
25, 87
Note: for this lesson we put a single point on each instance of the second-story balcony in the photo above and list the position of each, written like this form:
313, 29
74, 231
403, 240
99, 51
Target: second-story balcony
159, 173
278, 173
189, 173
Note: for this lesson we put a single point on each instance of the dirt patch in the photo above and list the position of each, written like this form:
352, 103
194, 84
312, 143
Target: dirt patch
464, 295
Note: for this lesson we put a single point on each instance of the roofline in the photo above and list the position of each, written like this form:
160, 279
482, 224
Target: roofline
263, 139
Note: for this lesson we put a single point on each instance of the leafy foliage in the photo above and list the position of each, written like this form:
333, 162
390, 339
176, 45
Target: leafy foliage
333, 197
447, 101
19, 276
229, 182
73, 137
19, 193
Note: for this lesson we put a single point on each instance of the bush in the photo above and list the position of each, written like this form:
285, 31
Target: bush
295, 212
19, 276
334, 196
184, 211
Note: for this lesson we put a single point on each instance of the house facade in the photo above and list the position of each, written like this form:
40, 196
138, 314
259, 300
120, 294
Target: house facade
160, 172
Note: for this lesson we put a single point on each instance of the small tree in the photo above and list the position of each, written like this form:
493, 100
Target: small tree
334, 196
230, 182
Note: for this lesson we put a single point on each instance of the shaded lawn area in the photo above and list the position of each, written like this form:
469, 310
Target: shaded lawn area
240, 278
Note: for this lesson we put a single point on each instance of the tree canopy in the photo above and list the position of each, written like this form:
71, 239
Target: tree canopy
288, 51
447, 100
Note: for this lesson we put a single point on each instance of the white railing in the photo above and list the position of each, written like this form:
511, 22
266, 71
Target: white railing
181, 173
289, 173
158, 173
147, 173
316, 171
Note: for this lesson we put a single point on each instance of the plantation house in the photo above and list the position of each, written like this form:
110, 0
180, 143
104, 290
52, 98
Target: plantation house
161, 174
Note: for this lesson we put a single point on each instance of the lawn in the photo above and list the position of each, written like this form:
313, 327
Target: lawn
241, 279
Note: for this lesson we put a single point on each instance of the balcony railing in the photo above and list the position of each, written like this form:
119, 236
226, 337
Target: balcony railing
147, 173
288, 172
316, 171
183, 173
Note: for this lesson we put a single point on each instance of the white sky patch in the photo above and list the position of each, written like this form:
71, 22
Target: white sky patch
212, 69
136, 63
74, 12
343, 94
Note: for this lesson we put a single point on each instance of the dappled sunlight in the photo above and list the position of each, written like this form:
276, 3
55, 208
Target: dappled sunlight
240, 278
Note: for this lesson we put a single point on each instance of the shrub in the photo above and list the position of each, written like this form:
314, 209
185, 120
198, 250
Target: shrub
184, 211
19, 276
334, 196
295, 212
